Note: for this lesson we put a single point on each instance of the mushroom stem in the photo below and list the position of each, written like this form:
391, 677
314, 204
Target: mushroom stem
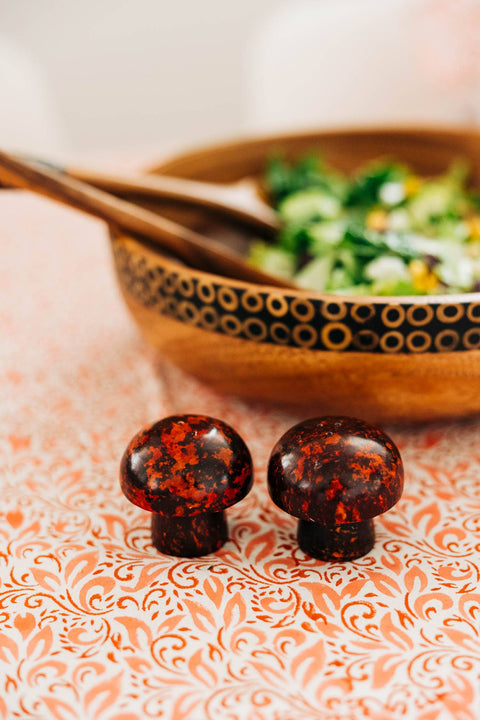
189, 536
336, 542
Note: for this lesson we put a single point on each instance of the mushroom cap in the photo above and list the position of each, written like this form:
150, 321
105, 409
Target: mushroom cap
185, 465
335, 470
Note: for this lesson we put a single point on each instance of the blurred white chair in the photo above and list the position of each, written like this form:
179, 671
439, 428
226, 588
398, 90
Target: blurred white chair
28, 121
353, 62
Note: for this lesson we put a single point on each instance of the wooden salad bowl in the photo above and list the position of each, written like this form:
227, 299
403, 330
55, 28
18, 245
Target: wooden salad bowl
387, 359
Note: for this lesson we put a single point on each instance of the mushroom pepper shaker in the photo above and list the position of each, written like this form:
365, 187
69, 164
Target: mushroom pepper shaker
186, 469
335, 474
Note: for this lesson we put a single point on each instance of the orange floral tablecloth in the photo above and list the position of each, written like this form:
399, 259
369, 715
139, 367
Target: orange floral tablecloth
95, 624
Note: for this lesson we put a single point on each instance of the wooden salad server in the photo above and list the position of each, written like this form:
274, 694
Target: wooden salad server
239, 200
189, 246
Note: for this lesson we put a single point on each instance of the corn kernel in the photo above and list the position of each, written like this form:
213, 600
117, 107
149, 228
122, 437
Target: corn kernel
473, 225
431, 282
412, 185
377, 220
418, 269
423, 278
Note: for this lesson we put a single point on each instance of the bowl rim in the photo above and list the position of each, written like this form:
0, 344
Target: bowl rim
205, 149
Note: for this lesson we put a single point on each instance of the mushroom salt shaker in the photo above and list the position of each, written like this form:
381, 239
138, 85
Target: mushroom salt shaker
335, 474
186, 469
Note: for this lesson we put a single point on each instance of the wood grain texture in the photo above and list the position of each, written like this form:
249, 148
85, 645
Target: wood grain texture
239, 200
427, 149
408, 384
182, 242
379, 388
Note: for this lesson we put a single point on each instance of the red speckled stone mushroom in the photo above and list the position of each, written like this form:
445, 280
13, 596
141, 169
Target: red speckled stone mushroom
186, 469
335, 474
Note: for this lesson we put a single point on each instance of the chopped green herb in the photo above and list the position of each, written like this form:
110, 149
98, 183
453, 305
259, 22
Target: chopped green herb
384, 231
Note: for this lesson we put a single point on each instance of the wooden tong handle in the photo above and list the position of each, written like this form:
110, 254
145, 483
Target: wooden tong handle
191, 247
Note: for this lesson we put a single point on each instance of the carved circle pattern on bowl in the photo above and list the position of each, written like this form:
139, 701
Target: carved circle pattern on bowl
346, 325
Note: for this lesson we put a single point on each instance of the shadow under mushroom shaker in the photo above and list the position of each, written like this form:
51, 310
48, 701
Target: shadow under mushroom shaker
186, 469
335, 474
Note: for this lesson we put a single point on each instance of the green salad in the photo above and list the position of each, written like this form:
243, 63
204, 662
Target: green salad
384, 231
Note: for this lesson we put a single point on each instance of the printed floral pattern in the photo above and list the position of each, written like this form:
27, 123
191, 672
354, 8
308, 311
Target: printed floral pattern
96, 624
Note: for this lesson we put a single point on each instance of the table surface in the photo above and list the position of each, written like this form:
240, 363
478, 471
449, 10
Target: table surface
94, 623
